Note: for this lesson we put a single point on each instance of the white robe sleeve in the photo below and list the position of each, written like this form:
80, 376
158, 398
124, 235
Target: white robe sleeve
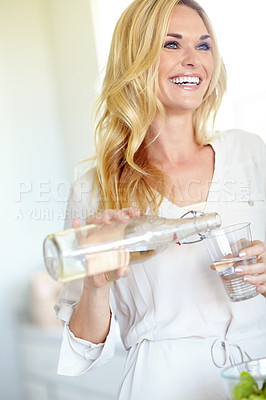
77, 355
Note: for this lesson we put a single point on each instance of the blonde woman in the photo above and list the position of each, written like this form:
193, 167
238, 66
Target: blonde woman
156, 152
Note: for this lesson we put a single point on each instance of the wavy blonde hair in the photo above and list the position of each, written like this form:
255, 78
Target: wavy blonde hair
128, 104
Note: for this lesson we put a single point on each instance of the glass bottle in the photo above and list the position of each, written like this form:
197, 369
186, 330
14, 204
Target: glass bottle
105, 246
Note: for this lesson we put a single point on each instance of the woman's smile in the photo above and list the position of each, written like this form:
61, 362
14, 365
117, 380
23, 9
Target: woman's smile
187, 81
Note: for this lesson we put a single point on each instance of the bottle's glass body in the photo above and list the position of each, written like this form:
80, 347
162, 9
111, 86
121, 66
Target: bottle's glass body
105, 246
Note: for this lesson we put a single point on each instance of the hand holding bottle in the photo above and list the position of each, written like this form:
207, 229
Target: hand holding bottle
120, 258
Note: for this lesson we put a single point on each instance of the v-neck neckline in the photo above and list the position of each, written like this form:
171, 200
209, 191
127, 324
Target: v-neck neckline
209, 202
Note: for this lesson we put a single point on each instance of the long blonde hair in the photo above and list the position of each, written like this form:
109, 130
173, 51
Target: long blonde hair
128, 104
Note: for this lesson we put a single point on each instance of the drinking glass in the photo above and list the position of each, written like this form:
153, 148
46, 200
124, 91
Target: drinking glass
223, 246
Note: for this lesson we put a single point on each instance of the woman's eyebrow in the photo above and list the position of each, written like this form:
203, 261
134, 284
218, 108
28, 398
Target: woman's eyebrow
178, 36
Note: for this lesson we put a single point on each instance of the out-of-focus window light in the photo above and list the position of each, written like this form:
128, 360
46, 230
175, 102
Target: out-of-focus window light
241, 31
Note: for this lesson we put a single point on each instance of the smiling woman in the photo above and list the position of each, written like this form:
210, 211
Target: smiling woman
156, 150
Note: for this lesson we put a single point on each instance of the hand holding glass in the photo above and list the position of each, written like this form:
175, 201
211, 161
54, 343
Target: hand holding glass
224, 246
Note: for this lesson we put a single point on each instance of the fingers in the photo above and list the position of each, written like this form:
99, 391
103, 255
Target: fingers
76, 222
255, 279
116, 215
257, 249
79, 234
212, 267
117, 274
97, 219
105, 279
107, 215
254, 273
261, 289
99, 231
132, 211
250, 269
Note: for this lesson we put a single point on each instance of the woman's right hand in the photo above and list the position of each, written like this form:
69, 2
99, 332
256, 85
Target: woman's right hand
103, 280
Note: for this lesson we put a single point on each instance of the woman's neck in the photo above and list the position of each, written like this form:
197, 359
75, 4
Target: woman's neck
176, 141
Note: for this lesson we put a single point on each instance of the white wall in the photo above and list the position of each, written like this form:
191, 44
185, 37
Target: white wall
105, 17
241, 31
72, 47
32, 153
48, 70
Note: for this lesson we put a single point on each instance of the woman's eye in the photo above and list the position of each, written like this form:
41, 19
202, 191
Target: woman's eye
171, 45
204, 46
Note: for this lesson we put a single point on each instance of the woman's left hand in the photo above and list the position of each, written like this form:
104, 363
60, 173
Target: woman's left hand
255, 273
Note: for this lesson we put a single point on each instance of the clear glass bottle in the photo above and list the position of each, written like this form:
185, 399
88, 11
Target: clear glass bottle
105, 246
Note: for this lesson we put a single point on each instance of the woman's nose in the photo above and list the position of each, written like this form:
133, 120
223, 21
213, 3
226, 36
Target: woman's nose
191, 59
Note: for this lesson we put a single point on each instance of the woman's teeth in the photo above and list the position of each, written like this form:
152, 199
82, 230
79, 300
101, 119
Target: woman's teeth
186, 80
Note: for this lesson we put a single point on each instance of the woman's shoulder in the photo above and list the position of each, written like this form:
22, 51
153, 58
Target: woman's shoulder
237, 135
85, 180
83, 197
238, 141
84, 192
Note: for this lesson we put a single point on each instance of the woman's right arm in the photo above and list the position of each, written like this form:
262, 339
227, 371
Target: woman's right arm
83, 305
92, 315
91, 318
90, 329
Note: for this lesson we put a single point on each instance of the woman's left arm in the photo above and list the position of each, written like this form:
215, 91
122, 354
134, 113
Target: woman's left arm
255, 273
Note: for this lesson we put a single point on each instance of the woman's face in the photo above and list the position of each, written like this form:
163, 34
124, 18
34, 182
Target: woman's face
186, 62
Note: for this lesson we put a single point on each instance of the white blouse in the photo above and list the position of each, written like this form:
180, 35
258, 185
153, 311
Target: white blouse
175, 318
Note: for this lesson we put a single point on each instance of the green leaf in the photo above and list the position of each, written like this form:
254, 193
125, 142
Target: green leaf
245, 375
264, 388
245, 387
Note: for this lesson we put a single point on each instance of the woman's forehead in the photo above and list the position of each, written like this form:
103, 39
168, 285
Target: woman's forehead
185, 18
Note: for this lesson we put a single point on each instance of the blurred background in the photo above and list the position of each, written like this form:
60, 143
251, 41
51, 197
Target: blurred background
52, 58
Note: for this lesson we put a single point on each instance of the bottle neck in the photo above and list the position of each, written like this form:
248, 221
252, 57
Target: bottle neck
200, 224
